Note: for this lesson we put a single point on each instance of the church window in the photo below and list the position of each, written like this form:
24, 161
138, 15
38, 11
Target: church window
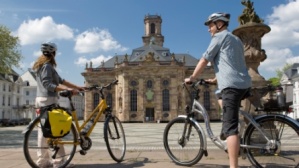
206, 96
165, 100
149, 84
165, 83
133, 83
133, 98
153, 27
109, 99
96, 99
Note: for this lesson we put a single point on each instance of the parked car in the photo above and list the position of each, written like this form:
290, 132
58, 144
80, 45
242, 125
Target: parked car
13, 122
25, 121
4, 122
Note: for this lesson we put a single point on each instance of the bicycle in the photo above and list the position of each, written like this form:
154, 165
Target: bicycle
269, 140
114, 134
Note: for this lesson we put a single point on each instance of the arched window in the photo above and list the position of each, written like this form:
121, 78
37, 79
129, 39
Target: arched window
165, 100
153, 28
109, 99
133, 98
96, 99
206, 99
149, 84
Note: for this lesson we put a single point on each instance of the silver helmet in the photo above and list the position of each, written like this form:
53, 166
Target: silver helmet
48, 47
218, 16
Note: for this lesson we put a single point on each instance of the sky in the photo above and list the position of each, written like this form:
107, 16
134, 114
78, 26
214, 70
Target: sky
96, 30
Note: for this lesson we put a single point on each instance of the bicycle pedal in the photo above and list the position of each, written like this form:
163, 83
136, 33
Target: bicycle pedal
83, 152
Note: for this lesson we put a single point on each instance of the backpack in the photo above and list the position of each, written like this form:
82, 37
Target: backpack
55, 121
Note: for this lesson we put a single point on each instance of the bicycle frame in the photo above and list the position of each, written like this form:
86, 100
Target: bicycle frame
97, 112
198, 108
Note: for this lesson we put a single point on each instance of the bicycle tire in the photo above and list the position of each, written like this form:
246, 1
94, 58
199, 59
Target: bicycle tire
30, 146
188, 152
115, 138
287, 152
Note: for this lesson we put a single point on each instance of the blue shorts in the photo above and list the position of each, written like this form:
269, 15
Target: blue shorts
231, 100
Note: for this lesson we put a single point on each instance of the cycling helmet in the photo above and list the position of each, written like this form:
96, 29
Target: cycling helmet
218, 16
48, 48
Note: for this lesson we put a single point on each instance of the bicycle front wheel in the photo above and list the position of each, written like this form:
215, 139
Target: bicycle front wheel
115, 139
39, 151
285, 136
184, 145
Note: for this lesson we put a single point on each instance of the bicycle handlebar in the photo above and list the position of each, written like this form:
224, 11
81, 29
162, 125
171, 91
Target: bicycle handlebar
197, 83
100, 88
68, 93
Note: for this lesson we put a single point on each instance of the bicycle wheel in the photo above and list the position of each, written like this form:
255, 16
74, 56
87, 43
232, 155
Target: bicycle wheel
186, 149
32, 148
115, 139
286, 137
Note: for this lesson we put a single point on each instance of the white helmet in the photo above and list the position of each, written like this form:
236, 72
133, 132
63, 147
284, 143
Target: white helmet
218, 16
48, 47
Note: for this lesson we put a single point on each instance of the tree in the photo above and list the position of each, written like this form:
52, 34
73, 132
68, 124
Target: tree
10, 54
275, 81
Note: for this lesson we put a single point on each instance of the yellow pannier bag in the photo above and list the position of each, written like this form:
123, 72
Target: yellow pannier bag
60, 122
56, 122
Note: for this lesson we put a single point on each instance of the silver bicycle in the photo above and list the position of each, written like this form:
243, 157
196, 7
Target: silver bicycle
270, 140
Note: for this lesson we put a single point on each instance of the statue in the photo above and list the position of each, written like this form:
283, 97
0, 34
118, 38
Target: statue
251, 31
249, 15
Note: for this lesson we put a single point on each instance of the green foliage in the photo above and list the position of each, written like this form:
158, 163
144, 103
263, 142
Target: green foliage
274, 81
10, 55
279, 72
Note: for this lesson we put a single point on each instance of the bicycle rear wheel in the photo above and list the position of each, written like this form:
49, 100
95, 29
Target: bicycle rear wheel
115, 139
186, 149
32, 148
284, 133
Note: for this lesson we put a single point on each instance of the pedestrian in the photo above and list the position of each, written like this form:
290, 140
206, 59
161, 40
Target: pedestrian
226, 53
48, 84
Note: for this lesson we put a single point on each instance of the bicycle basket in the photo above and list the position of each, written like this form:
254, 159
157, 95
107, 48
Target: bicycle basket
55, 121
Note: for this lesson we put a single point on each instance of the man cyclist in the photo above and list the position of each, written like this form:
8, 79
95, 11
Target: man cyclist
226, 53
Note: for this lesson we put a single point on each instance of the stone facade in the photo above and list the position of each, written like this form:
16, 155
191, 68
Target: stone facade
149, 81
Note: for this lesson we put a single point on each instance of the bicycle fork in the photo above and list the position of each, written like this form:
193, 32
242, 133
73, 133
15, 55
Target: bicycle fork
116, 129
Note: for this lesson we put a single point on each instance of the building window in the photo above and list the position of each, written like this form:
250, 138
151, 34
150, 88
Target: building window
8, 101
9, 88
27, 102
96, 100
133, 83
27, 93
3, 102
165, 83
149, 84
4, 87
109, 99
165, 100
206, 99
193, 95
133, 98
153, 28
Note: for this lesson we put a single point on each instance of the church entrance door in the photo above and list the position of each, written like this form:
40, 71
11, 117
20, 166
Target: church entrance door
149, 114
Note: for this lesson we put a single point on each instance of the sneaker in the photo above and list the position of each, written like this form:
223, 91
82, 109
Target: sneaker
70, 165
46, 165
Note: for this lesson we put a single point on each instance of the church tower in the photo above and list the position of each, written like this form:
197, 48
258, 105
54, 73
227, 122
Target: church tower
152, 25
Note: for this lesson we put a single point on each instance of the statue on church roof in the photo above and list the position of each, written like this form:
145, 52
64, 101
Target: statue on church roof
249, 15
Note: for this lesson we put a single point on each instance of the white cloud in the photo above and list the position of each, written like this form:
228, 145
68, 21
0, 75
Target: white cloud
284, 36
96, 40
82, 61
41, 30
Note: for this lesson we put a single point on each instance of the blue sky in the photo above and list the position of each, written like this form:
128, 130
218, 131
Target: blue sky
94, 30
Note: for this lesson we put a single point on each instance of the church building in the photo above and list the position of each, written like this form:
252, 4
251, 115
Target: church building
150, 81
